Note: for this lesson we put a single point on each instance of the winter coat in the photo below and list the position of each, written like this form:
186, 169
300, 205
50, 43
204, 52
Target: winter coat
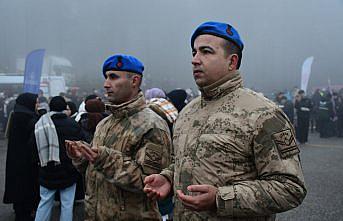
64, 174
243, 144
21, 179
304, 108
132, 142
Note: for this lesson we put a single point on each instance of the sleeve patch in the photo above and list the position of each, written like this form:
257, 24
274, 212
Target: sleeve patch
285, 142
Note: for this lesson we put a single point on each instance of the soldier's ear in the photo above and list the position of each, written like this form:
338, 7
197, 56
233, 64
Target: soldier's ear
233, 62
136, 81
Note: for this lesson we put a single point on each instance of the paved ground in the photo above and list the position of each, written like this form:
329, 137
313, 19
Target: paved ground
322, 161
6, 212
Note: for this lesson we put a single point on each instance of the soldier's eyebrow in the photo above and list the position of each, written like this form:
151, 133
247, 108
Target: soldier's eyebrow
112, 76
202, 48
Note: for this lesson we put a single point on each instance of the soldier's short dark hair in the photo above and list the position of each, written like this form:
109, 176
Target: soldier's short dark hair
232, 48
130, 75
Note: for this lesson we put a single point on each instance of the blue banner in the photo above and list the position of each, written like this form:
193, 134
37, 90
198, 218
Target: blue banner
33, 71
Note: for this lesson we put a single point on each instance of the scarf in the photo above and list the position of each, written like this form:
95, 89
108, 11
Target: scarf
164, 108
47, 140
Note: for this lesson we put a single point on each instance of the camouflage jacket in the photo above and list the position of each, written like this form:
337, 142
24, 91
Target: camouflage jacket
241, 143
133, 142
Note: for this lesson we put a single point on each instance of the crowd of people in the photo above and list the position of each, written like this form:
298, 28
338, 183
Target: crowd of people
32, 117
227, 154
320, 112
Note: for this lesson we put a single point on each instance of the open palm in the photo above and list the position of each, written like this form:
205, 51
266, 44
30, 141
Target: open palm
157, 186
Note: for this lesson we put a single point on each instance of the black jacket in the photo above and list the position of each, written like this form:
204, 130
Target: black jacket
62, 175
21, 168
303, 107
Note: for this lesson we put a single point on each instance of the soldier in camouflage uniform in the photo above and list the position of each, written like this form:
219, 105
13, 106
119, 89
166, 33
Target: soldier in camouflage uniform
128, 145
236, 157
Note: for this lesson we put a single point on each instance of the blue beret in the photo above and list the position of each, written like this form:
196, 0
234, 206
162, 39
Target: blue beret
218, 29
121, 62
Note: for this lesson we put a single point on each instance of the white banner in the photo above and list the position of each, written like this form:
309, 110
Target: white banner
306, 72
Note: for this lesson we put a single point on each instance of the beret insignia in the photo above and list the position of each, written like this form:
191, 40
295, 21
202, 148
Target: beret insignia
228, 30
119, 63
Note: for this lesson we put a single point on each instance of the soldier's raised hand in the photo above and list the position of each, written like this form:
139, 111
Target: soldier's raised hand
157, 186
88, 152
72, 149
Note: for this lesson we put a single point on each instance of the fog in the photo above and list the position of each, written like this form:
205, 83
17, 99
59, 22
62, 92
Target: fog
278, 35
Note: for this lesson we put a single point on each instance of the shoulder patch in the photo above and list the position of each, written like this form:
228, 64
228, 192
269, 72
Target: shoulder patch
285, 142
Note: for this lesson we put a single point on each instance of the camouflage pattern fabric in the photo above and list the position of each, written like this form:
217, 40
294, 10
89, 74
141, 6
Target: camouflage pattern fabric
241, 143
133, 142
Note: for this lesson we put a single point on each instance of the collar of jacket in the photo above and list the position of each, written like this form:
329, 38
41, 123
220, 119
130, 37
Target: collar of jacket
58, 114
128, 108
222, 87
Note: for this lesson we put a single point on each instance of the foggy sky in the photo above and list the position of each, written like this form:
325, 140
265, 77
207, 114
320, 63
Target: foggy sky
278, 36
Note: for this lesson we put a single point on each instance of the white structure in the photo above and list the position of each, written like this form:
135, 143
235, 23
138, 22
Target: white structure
50, 85
52, 66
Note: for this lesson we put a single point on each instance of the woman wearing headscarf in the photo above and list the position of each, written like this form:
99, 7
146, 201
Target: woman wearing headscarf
21, 187
154, 93
95, 113
178, 97
156, 100
72, 109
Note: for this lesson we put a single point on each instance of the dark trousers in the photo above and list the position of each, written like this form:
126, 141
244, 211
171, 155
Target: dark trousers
327, 128
23, 211
340, 126
302, 129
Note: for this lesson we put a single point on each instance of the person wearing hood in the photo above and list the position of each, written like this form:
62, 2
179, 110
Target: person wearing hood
21, 188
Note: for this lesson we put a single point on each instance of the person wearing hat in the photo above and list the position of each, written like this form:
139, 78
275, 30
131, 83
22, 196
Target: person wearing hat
130, 144
236, 157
